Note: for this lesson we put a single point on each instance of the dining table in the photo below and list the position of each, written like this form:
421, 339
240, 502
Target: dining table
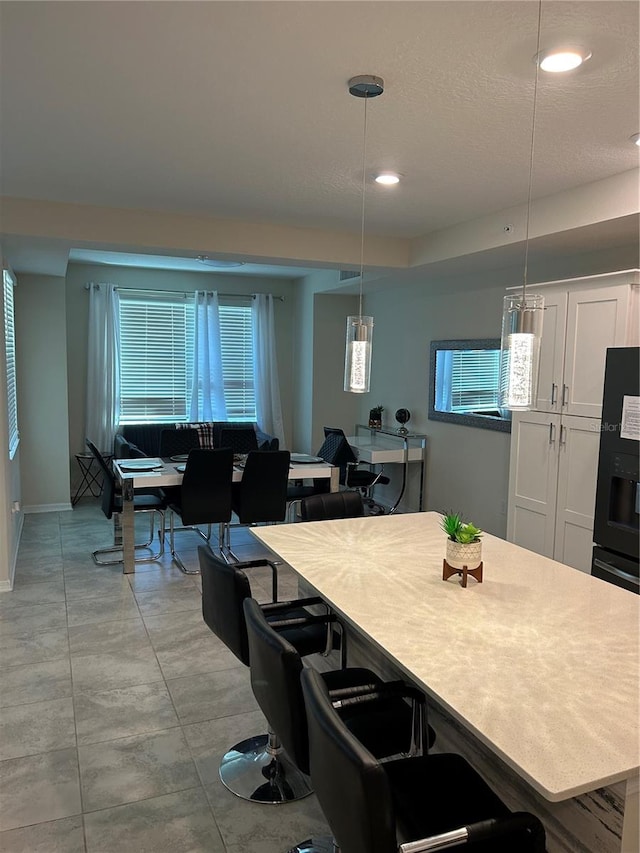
533, 673
135, 475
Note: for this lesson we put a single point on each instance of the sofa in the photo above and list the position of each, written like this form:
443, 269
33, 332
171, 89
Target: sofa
144, 439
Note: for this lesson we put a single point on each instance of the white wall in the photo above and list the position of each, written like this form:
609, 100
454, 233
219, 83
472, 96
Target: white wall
10, 495
41, 356
467, 468
319, 342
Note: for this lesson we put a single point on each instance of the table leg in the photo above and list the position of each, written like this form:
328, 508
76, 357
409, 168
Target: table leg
335, 479
127, 524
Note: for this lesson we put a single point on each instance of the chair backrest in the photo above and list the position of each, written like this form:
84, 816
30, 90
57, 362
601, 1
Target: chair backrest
174, 442
240, 440
332, 505
109, 503
336, 450
351, 785
275, 681
224, 589
262, 492
205, 495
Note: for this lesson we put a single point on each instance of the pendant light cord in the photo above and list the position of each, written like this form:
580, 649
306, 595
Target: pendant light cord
533, 132
364, 190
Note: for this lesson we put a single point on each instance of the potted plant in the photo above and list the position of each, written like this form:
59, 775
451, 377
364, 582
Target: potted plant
375, 417
464, 546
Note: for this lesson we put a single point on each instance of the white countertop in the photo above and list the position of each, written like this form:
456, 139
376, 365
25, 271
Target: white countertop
540, 661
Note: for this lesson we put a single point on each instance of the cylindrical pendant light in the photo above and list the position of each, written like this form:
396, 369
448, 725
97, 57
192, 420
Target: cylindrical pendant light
357, 357
522, 315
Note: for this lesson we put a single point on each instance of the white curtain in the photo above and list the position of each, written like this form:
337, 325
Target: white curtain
103, 366
207, 392
268, 409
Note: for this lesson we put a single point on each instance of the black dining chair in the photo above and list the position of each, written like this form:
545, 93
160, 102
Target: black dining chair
178, 442
240, 439
257, 768
203, 498
112, 504
261, 496
352, 475
404, 805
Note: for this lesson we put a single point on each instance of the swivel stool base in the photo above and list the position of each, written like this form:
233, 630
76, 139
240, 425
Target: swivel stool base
322, 844
258, 769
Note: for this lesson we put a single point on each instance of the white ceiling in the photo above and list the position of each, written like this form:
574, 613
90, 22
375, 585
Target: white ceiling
240, 109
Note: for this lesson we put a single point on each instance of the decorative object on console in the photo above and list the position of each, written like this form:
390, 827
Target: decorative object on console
357, 357
375, 417
464, 549
403, 416
522, 315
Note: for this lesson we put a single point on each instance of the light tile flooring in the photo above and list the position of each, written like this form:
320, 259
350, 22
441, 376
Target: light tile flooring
117, 703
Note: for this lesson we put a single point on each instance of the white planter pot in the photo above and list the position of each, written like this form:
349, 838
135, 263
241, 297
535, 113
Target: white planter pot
459, 555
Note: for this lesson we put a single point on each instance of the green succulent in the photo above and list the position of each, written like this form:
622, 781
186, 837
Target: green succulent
458, 530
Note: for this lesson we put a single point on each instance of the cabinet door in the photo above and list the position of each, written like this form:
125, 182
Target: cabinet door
578, 450
533, 474
596, 319
552, 351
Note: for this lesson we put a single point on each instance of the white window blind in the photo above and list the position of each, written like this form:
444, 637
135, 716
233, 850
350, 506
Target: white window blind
236, 342
156, 358
475, 380
10, 357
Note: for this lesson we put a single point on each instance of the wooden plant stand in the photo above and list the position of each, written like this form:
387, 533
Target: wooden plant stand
448, 570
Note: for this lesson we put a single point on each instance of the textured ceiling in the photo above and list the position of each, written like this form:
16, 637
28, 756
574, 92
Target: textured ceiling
240, 109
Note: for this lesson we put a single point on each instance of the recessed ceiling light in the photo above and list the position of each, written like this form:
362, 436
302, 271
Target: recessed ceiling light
635, 138
214, 262
562, 58
388, 179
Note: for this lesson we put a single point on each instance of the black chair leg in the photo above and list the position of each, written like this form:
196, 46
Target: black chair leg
258, 769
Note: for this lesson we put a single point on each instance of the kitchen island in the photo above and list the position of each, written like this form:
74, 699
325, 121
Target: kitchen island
534, 671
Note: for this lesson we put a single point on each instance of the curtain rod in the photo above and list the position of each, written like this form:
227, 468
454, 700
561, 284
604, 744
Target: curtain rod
185, 293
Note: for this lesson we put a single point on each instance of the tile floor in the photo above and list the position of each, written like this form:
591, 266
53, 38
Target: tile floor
117, 703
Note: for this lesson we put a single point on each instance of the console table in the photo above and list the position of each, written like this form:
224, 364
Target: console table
375, 446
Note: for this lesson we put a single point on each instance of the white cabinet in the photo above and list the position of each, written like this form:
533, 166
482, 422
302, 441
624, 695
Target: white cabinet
578, 327
552, 485
554, 449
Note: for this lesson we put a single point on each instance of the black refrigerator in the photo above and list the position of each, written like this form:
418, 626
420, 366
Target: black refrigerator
615, 530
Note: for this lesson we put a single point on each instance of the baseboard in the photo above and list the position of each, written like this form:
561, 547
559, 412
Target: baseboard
6, 586
65, 507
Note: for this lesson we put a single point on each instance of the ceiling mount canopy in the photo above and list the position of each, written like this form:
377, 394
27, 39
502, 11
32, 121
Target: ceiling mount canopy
366, 86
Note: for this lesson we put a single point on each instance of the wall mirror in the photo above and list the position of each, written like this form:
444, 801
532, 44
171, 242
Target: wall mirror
464, 382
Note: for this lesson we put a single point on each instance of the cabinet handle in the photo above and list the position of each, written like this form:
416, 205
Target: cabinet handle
554, 391
552, 432
563, 435
565, 395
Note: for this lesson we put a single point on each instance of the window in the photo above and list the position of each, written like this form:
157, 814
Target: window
10, 356
156, 358
464, 384
236, 343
